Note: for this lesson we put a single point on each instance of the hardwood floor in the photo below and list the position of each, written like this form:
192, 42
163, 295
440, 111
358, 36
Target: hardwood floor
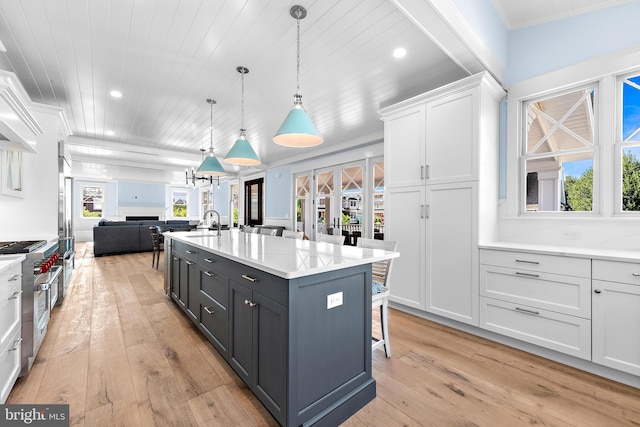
120, 353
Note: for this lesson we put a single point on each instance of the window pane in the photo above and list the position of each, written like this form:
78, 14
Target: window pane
179, 204
631, 109
92, 199
378, 200
631, 179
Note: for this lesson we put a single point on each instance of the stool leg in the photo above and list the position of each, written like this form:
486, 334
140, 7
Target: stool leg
384, 314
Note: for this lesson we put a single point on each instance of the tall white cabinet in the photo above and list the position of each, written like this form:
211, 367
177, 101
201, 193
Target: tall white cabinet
441, 154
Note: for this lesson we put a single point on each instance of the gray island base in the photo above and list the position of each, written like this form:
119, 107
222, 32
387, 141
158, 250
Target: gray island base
291, 317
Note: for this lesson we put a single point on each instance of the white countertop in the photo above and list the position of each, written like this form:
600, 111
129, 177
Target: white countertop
624, 255
7, 261
283, 257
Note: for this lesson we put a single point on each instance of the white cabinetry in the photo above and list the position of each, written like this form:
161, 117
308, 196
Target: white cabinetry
10, 325
440, 154
616, 315
541, 299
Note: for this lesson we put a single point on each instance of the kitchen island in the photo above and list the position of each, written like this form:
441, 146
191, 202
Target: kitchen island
291, 317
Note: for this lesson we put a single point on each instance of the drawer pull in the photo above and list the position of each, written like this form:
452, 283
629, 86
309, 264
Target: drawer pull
208, 310
189, 263
636, 274
209, 260
208, 274
16, 344
597, 291
527, 274
15, 277
175, 259
524, 310
190, 252
249, 278
250, 303
527, 262
15, 295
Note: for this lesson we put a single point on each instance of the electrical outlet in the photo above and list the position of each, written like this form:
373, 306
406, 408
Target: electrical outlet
334, 300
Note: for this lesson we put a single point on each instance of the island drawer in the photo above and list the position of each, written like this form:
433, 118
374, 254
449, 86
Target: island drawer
563, 294
570, 266
214, 321
560, 332
267, 284
183, 250
212, 261
215, 285
617, 271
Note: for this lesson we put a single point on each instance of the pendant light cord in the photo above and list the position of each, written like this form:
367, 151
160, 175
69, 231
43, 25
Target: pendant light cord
298, 56
242, 103
211, 131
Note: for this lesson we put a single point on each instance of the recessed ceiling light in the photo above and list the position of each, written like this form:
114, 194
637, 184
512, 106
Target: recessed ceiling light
399, 52
110, 132
116, 93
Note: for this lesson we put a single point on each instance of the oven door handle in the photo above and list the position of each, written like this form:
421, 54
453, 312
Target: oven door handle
52, 276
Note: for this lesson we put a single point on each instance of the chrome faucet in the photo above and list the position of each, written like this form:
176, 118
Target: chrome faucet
208, 211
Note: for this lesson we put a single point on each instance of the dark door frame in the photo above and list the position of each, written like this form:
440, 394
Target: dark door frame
248, 186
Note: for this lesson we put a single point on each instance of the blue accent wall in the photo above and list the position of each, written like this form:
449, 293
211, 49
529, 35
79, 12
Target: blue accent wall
278, 193
141, 195
221, 198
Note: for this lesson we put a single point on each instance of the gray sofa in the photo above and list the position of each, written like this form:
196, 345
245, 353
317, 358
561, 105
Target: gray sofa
119, 237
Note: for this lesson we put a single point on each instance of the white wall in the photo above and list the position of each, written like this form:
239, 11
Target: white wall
35, 215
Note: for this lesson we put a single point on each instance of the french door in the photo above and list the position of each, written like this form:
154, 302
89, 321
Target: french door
253, 201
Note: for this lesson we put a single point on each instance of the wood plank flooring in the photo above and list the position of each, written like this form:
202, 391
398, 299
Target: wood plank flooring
120, 353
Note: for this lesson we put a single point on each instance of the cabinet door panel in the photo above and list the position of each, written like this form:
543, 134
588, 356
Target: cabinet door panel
270, 354
193, 289
214, 323
404, 151
9, 364
405, 223
452, 271
452, 152
175, 278
240, 331
616, 325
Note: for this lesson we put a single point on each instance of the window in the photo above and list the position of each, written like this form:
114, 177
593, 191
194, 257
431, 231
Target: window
628, 144
558, 152
179, 202
378, 200
92, 201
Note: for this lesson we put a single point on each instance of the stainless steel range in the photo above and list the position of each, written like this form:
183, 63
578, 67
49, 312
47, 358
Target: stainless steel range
40, 272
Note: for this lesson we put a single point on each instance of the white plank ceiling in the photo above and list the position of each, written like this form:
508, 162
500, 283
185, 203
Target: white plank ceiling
168, 57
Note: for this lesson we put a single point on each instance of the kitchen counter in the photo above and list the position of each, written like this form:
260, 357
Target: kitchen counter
623, 255
7, 261
282, 257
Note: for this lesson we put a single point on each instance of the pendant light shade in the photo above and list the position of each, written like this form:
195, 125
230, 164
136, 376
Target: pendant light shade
297, 130
210, 165
242, 153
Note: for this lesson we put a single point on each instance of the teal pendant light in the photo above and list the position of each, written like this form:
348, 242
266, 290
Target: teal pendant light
297, 130
242, 153
210, 165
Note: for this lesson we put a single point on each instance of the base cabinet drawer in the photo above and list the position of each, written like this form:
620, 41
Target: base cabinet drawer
559, 332
563, 294
214, 323
9, 364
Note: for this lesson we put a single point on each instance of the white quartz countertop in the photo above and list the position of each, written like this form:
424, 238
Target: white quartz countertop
283, 257
624, 255
7, 261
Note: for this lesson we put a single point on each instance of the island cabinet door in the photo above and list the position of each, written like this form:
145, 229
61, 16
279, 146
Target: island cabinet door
192, 281
257, 346
176, 265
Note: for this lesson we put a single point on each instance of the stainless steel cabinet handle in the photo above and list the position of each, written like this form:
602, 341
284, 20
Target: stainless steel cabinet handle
208, 310
189, 252
527, 262
250, 303
421, 172
15, 295
175, 259
636, 274
15, 277
421, 211
209, 260
527, 274
597, 291
189, 263
427, 211
16, 344
208, 274
249, 278
427, 170
524, 310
